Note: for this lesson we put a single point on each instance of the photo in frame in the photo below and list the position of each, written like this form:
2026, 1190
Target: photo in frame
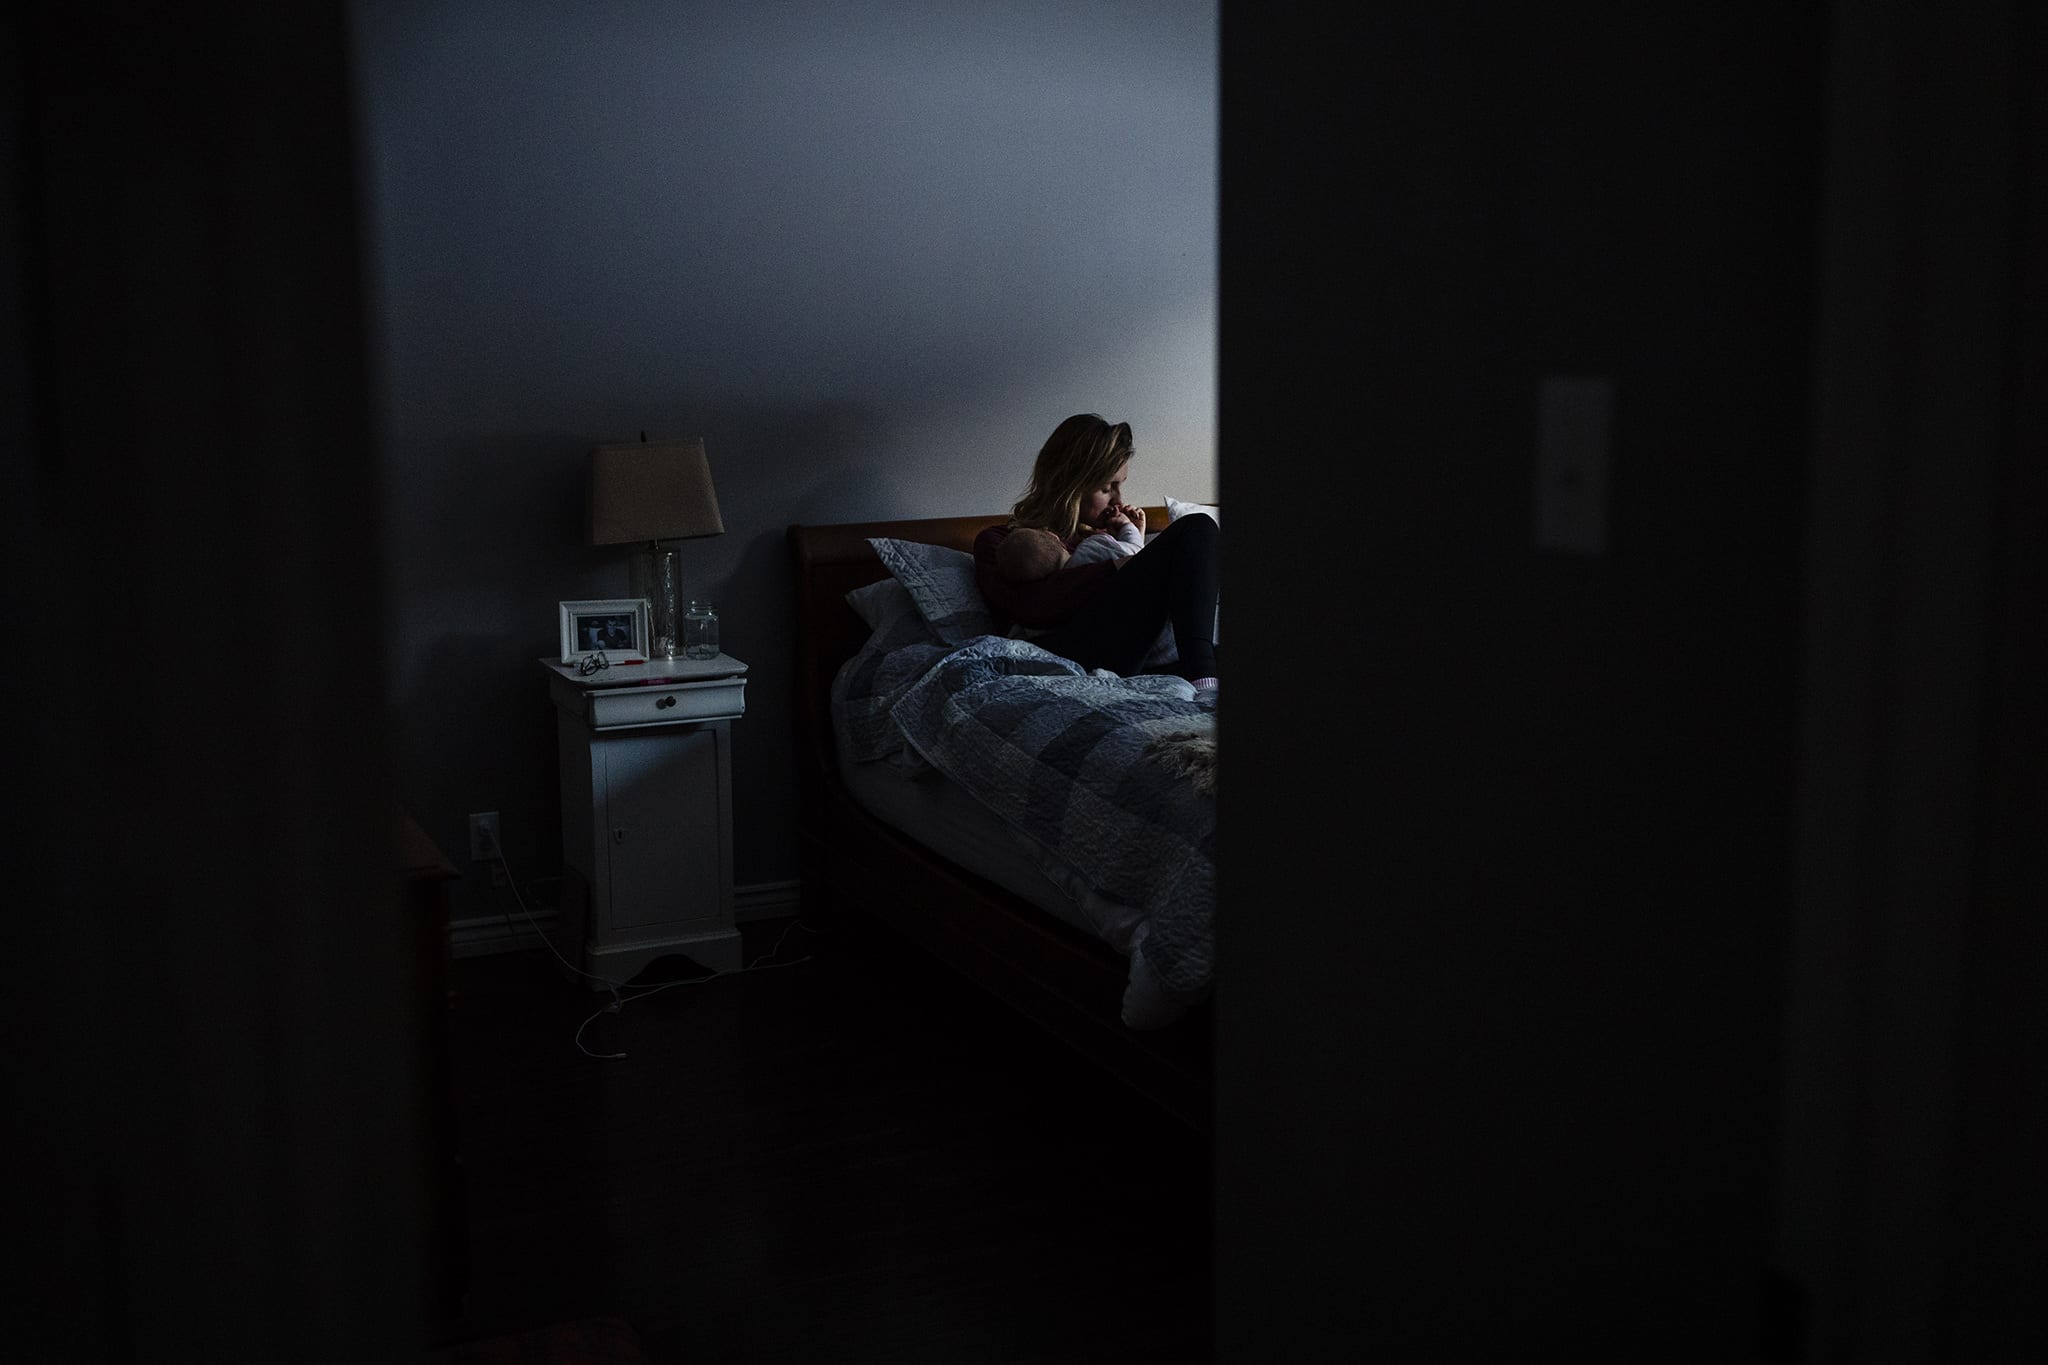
615, 627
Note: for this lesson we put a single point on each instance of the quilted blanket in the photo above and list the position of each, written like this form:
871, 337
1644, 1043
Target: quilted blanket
1115, 775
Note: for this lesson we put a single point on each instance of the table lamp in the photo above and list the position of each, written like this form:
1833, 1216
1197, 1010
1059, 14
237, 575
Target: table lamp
643, 495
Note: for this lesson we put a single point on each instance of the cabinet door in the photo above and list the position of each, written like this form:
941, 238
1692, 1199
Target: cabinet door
664, 817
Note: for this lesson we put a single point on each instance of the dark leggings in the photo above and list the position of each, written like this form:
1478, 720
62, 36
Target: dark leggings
1174, 580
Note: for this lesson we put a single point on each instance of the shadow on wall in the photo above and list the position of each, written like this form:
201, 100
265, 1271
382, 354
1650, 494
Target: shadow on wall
481, 512
774, 465
475, 732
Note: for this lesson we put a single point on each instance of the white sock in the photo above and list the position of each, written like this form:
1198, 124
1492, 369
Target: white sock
1205, 682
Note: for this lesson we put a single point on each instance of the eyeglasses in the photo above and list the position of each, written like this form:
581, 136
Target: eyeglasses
592, 662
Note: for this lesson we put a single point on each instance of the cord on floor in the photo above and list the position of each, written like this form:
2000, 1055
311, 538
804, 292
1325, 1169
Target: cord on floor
619, 1001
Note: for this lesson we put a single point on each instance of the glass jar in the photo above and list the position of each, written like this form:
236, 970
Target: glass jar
700, 630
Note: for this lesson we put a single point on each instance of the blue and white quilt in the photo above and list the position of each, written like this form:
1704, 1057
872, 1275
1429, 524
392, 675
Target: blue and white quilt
1114, 775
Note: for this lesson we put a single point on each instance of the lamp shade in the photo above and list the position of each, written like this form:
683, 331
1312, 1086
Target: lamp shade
658, 490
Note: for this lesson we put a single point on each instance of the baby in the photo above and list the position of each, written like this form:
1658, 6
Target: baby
1026, 555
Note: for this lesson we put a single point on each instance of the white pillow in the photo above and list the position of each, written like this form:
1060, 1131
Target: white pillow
882, 600
941, 582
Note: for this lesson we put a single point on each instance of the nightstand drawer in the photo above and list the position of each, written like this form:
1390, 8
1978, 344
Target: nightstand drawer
722, 699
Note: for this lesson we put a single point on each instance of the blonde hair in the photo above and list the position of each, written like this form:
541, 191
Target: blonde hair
1084, 452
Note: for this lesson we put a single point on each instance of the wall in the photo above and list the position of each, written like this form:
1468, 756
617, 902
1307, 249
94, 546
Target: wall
1497, 1054
871, 253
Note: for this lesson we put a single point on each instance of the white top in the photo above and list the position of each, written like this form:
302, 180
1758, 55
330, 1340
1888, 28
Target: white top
1123, 542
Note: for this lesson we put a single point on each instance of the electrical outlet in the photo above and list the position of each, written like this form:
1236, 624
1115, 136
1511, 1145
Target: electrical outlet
483, 837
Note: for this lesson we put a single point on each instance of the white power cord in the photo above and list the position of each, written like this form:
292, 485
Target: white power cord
618, 1001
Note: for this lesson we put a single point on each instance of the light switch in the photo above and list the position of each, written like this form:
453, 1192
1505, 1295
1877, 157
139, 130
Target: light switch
1574, 431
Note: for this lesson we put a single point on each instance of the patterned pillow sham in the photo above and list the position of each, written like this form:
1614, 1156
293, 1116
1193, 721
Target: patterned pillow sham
940, 581
880, 602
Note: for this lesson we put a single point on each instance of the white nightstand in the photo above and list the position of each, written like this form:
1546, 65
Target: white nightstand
646, 762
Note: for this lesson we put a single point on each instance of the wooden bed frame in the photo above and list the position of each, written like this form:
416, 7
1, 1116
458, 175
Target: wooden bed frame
1065, 981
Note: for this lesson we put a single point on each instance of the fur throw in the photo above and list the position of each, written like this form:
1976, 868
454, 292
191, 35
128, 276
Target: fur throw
1188, 753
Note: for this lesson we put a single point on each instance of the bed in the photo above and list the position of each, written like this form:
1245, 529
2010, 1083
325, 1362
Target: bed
889, 842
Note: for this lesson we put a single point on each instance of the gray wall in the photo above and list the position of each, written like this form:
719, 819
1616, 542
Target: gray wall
871, 253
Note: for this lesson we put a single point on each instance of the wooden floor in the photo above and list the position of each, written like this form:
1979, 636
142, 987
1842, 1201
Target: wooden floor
851, 1159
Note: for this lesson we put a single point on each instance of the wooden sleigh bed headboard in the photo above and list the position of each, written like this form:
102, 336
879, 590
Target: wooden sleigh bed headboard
1065, 981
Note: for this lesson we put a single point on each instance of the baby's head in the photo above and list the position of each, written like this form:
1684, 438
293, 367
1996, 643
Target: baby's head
1027, 555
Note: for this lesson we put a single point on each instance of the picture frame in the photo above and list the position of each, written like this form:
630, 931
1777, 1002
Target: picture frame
613, 626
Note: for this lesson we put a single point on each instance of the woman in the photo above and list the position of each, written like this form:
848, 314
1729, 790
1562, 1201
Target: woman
1105, 614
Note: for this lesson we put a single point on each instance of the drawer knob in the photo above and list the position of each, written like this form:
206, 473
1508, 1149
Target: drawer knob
664, 703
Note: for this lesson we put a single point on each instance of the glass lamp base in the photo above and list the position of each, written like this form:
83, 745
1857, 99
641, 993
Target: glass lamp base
657, 574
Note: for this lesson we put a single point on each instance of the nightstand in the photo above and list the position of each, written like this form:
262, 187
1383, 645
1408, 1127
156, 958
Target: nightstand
646, 765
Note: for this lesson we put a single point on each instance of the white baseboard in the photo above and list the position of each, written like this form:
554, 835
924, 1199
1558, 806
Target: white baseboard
767, 900
481, 934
